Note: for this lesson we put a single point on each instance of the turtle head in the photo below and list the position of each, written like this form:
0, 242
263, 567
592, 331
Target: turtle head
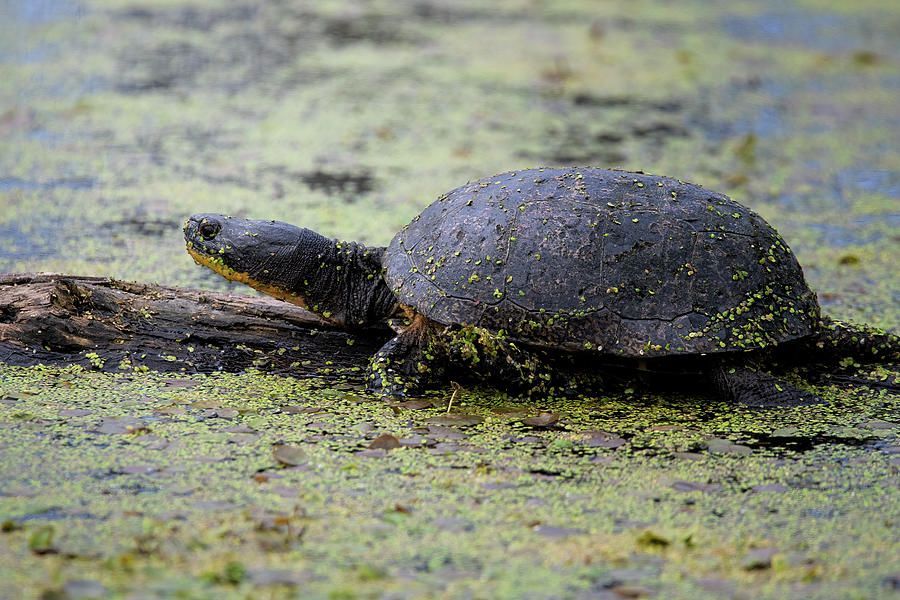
339, 281
266, 255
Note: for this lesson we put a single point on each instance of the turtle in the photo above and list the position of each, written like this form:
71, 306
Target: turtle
517, 277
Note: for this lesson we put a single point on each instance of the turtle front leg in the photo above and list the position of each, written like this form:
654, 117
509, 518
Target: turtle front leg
493, 358
409, 362
426, 353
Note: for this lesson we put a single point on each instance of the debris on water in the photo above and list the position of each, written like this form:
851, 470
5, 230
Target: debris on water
553, 531
41, 540
690, 486
724, 446
770, 487
545, 419
238, 429
758, 559
83, 589
604, 439
289, 455
456, 420
415, 404
651, 539
385, 441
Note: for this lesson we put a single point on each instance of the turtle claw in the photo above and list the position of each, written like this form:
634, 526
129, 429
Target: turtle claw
408, 362
385, 382
392, 371
381, 378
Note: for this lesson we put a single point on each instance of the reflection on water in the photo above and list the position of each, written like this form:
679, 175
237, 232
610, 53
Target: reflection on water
826, 32
32, 12
18, 243
73, 183
869, 180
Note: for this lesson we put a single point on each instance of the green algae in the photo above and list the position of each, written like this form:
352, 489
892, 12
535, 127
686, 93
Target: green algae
103, 478
161, 487
219, 135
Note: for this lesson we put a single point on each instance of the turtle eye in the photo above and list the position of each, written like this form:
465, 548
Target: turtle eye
208, 230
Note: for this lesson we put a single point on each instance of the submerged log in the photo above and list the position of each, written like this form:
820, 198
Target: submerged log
113, 325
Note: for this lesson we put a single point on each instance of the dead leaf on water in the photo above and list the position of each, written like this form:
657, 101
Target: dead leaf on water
414, 441
524, 439
553, 531
296, 409
209, 458
372, 452
211, 505
207, 403
454, 524
689, 486
651, 539
267, 577
878, 424
385, 441
688, 455
138, 469
770, 487
444, 433
604, 439
41, 541
665, 428
414, 404
73, 412
289, 455
499, 485
363, 427
181, 383
445, 448
238, 429
285, 491
154, 442
758, 559
84, 588
456, 420
22, 491
724, 446
633, 591
545, 419
116, 426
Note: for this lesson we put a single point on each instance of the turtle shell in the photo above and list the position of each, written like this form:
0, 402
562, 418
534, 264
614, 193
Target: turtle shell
590, 259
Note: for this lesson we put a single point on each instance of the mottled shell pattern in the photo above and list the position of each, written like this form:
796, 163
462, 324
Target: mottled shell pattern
612, 261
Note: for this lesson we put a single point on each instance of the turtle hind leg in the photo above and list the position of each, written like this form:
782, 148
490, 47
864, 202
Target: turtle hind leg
758, 389
407, 362
837, 339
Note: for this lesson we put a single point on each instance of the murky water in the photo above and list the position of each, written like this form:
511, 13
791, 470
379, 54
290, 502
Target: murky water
351, 120
119, 118
38, 12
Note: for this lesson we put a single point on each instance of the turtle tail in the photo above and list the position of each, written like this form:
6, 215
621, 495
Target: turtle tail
838, 339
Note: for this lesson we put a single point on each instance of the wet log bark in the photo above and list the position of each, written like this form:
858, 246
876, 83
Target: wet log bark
112, 325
